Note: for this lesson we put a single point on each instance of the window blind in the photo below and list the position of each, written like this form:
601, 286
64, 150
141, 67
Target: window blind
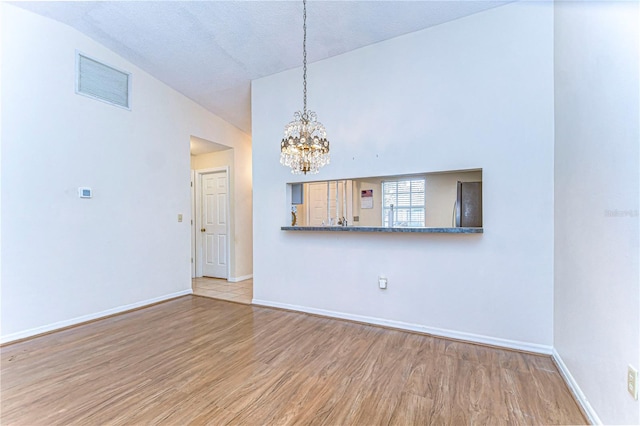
403, 203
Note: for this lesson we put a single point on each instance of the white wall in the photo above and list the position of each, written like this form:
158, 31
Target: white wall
65, 259
597, 290
473, 93
241, 244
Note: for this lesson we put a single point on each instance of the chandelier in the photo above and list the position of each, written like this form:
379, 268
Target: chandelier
305, 147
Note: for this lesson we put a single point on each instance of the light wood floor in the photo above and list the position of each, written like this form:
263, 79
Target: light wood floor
195, 360
241, 292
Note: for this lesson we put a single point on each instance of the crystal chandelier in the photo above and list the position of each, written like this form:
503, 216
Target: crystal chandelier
305, 147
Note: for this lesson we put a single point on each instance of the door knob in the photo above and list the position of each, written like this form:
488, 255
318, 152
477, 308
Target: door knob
203, 230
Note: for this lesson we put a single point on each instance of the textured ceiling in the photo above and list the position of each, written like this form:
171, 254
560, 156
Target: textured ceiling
211, 50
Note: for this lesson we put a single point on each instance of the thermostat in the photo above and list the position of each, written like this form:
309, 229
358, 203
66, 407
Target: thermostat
85, 192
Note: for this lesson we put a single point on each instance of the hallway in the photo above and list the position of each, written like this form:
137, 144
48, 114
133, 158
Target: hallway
240, 292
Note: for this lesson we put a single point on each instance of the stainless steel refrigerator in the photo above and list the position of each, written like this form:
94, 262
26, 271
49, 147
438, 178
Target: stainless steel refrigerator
469, 205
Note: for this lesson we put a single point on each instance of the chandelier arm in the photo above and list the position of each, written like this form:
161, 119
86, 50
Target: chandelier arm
304, 56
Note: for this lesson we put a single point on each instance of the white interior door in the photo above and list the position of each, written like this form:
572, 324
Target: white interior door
214, 225
317, 203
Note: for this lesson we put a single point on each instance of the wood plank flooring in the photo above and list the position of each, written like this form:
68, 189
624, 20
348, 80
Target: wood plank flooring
195, 360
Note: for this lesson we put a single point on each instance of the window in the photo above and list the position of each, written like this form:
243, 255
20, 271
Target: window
403, 203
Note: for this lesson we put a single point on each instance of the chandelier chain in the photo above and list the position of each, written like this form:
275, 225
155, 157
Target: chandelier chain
304, 55
305, 147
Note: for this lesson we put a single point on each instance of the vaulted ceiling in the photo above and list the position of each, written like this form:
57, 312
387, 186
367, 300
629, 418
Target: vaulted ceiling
211, 50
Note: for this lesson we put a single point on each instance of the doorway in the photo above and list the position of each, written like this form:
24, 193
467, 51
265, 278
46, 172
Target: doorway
219, 252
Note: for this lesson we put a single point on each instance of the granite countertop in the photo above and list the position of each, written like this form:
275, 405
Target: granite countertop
381, 229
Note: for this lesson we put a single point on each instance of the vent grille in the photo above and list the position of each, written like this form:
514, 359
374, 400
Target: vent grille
102, 82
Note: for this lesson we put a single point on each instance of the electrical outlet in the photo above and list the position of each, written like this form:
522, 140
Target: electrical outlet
632, 382
382, 282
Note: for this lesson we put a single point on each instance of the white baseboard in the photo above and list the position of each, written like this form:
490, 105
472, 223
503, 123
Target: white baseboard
85, 318
469, 337
592, 416
238, 279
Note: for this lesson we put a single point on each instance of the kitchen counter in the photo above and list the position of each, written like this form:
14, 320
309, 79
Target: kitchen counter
383, 230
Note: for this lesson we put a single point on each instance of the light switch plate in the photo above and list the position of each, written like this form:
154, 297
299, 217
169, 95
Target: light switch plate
632, 382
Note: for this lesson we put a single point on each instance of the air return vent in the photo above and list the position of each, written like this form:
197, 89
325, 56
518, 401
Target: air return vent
102, 82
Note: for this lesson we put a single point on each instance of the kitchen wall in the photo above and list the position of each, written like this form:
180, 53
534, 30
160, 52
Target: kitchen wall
66, 259
440, 196
442, 193
597, 187
372, 216
473, 93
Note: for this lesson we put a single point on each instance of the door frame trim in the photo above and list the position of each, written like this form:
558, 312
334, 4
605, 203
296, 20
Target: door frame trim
198, 218
193, 223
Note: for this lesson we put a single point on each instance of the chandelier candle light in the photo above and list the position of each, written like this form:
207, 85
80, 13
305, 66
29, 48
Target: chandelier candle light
305, 147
